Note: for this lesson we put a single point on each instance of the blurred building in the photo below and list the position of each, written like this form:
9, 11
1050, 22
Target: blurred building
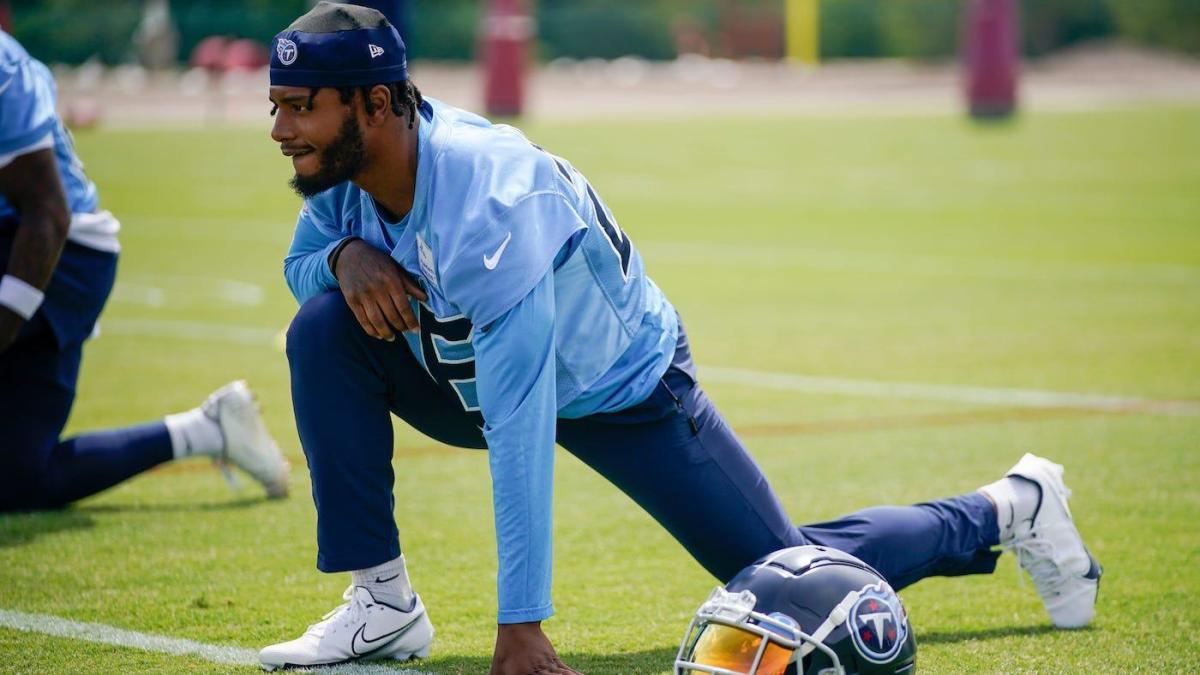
72, 31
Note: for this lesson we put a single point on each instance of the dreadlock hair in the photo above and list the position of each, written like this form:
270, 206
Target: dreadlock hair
406, 98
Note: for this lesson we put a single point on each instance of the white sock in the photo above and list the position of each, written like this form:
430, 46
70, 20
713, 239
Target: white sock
388, 583
194, 433
1016, 501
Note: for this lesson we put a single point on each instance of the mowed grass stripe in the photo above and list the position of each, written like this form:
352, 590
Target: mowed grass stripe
252, 336
950, 393
901, 263
743, 377
807, 384
110, 635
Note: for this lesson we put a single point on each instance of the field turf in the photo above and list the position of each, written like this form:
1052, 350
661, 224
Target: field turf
1061, 252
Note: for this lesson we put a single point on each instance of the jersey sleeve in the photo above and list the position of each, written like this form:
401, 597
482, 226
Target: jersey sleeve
500, 265
306, 266
516, 386
27, 110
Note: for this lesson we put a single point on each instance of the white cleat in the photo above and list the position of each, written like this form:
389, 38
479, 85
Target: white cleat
359, 629
248, 445
1049, 547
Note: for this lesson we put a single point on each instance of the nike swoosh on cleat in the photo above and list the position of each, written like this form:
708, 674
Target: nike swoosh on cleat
1036, 509
1094, 568
358, 635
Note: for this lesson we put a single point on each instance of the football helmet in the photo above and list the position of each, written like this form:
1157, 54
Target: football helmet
807, 610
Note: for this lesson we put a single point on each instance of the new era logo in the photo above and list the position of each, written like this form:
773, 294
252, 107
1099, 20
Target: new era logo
376, 50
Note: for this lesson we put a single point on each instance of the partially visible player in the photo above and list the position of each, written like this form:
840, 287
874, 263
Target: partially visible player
58, 261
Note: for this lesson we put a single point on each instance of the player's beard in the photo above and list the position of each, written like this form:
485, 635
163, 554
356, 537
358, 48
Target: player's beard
340, 161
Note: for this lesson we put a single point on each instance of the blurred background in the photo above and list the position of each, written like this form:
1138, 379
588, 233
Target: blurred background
515, 57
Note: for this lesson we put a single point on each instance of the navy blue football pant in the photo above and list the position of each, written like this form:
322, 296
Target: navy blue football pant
38, 469
673, 454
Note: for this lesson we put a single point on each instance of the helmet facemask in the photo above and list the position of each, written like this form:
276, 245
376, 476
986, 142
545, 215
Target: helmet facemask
727, 637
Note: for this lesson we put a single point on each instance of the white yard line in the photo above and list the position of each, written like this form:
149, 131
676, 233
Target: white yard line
999, 396
134, 293
186, 291
234, 291
898, 263
46, 624
190, 330
808, 384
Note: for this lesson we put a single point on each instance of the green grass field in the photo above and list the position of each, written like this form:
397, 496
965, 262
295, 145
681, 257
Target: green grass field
1058, 253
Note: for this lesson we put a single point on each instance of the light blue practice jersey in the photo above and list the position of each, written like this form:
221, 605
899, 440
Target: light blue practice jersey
538, 308
29, 122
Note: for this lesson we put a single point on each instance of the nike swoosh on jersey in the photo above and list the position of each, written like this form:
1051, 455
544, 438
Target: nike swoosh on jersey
490, 262
372, 644
9, 72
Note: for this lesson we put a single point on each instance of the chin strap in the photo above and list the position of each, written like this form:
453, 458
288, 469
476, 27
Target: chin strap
836, 618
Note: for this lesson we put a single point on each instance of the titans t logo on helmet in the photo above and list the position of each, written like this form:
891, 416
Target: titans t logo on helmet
878, 623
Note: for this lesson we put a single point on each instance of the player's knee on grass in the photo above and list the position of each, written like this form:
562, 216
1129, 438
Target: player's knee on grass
20, 488
26, 441
25, 478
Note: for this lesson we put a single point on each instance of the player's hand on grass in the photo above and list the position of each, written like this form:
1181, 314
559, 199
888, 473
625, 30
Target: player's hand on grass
377, 290
10, 326
523, 649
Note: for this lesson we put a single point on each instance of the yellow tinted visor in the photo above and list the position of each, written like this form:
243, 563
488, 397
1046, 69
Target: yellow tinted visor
735, 649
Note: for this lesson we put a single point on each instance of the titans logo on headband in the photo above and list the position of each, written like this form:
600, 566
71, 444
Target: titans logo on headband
287, 51
878, 623
344, 46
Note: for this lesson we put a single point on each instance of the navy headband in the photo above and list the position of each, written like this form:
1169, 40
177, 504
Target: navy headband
344, 58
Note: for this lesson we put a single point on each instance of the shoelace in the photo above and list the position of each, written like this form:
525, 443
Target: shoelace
210, 407
223, 465
1036, 555
353, 609
222, 461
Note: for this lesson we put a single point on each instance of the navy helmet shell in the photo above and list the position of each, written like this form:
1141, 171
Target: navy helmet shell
808, 583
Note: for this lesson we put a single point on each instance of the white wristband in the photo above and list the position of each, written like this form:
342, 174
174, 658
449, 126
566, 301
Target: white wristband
19, 296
